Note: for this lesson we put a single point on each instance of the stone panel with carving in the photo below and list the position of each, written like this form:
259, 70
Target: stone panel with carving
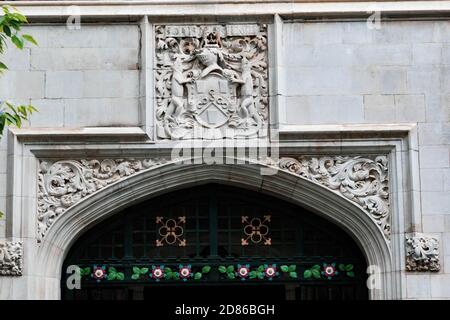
211, 81
64, 183
11, 255
422, 253
363, 180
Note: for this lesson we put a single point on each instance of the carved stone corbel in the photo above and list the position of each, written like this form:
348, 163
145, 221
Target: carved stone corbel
422, 252
11, 255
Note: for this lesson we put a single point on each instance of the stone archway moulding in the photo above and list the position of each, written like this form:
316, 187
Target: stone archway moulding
301, 180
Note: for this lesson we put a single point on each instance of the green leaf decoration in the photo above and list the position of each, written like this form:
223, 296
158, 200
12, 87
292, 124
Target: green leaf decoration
349, 267
293, 275
136, 270
316, 267
198, 276
261, 269
260, 275
231, 275
253, 274
135, 276
111, 276
112, 269
351, 274
315, 273
307, 274
206, 269
292, 268
167, 270
342, 267
176, 275
144, 270
222, 269
284, 268
169, 275
85, 271
230, 269
120, 276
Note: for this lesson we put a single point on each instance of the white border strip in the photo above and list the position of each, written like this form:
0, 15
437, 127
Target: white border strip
222, 7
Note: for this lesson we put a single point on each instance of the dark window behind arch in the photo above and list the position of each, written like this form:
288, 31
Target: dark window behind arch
212, 220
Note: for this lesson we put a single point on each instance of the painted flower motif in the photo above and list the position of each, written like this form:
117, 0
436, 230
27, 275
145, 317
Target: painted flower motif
243, 271
185, 272
158, 272
329, 270
270, 271
99, 273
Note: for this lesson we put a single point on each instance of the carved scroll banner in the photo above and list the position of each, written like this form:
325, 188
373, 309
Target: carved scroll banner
64, 183
363, 180
211, 81
11, 254
422, 252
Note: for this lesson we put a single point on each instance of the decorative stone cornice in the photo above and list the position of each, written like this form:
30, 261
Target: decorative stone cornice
64, 183
422, 252
11, 254
363, 180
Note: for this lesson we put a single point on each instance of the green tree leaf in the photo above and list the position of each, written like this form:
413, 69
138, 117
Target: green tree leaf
6, 30
29, 38
307, 274
17, 41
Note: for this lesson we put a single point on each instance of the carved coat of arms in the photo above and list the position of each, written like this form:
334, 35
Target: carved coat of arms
211, 81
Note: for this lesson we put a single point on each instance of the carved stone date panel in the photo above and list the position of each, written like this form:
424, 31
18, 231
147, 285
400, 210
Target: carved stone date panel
211, 81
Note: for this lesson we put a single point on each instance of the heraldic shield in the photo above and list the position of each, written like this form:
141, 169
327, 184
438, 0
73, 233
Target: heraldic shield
212, 100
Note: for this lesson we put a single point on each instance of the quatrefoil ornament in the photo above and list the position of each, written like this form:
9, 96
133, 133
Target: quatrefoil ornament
171, 231
256, 230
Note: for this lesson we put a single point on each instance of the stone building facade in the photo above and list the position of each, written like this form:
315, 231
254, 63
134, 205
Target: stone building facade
348, 104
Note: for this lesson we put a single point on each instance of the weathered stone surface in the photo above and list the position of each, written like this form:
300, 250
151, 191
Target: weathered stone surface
211, 79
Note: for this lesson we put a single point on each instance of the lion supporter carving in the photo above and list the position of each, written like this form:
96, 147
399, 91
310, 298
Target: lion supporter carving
211, 81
